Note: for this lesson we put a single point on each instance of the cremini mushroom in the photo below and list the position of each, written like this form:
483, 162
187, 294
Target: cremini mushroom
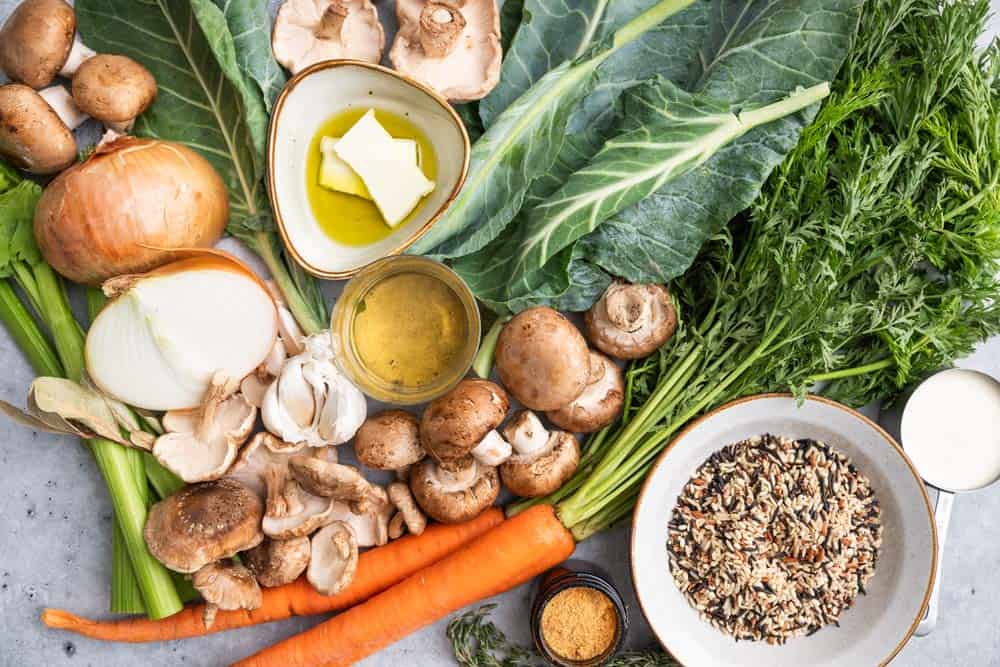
451, 45
542, 359
332, 480
454, 492
308, 31
228, 586
407, 508
39, 42
462, 423
389, 440
36, 132
202, 444
631, 321
278, 562
369, 521
600, 403
334, 558
113, 90
544, 459
204, 523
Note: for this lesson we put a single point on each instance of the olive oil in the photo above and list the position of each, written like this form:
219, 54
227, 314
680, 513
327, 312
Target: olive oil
345, 218
409, 329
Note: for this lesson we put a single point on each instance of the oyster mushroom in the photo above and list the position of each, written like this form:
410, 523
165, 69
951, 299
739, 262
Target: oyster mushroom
227, 586
542, 359
369, 521
334, 558
544, 459
389, 440
204, 523
456, 492
332, 480
278, 562
462, 422
451, 45
38, 42
600, 403
631, 321
407, 508
37, 129
113, 90
264, 451
202, 444
291, 511
308, 31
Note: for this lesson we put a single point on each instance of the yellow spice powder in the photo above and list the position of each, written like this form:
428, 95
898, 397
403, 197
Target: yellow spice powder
579, 623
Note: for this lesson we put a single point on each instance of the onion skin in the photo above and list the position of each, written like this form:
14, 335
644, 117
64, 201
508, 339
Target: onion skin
123, 209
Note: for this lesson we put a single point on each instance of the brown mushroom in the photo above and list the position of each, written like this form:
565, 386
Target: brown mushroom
227, 586
542, 359
334, 558
38, 42
456, 492
631, 321
389, 440
369, 520
308, 31
452, 46
600, 403
291, 511
264, 451
278, 562
33, 134
544, 461
462, 422
204, 523
113, 90
331, 480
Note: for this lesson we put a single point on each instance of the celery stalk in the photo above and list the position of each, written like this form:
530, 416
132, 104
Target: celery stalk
26, 333
126, 597
164, 482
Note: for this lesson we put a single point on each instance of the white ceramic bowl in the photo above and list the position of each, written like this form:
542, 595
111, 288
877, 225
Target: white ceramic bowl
312, 97
879, 623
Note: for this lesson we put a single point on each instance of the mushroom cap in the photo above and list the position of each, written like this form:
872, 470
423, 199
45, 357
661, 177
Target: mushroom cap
278, 562
329, 480
600, 403
36, 40
228, 585
308, 31
334, 558
370, 520
292, 511
542, 359
113, 89
631, 321
204, 523
453, 424
541, 473
32, 136
449, 503
263, 451
453, 47
389, 440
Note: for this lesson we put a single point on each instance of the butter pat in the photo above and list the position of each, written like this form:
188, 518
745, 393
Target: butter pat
396, 185
335, 174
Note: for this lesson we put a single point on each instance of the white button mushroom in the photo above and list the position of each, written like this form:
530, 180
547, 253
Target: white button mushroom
308, 31
538, 470
631, 321
39, 41
228, 586
600, 403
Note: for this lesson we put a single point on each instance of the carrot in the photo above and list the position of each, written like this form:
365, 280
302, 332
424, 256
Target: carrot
510, 554
378, 569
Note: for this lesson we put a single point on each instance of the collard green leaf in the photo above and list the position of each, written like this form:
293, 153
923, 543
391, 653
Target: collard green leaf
250, 26
17, 236
511, 13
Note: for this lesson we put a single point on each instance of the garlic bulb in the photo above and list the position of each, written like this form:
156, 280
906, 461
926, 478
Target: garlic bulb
311, 401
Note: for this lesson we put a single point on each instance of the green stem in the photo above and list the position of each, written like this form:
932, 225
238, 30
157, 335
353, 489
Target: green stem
164, 482
60, 321
797, 101
852, 372
483, 364
650, 18
27, 334
304, 315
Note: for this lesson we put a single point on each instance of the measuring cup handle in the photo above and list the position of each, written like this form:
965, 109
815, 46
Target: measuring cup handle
942, 515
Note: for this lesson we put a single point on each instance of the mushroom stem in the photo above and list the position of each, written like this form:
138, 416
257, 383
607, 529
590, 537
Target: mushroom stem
78, 54
492, 450
628, 309
526, 433
62, 103
454, 477
440, 26
332, 23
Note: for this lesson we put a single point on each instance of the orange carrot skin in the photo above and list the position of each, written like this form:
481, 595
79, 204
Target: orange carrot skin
510, 554
378, 569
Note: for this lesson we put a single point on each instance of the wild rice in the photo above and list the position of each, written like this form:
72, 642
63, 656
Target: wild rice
773, 538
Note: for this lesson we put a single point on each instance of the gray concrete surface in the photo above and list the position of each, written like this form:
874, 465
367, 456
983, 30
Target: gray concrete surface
55, 527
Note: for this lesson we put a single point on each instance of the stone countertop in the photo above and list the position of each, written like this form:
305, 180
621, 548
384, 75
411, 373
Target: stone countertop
55, 528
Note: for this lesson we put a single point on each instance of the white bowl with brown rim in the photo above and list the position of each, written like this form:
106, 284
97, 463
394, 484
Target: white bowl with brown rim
311, 98
875, 628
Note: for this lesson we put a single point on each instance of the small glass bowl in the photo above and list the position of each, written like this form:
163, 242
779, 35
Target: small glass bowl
558, 580
342, 327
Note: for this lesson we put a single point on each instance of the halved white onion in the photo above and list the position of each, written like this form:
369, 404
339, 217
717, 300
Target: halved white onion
158, 343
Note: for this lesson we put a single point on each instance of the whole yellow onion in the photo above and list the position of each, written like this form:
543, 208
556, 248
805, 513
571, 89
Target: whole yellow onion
126, 206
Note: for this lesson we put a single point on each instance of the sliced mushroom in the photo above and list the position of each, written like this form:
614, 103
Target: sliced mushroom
113, 90
542, 359
334, 559
544, 459
631, 321
278, 562
462, 421
454, 493
33, 136
389, 440
291, 511
600, 403
308, 31
370, 521
204, 523
331, 480
38, 42
227, 586
454, 47
407, 508
202, 444
265, 450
